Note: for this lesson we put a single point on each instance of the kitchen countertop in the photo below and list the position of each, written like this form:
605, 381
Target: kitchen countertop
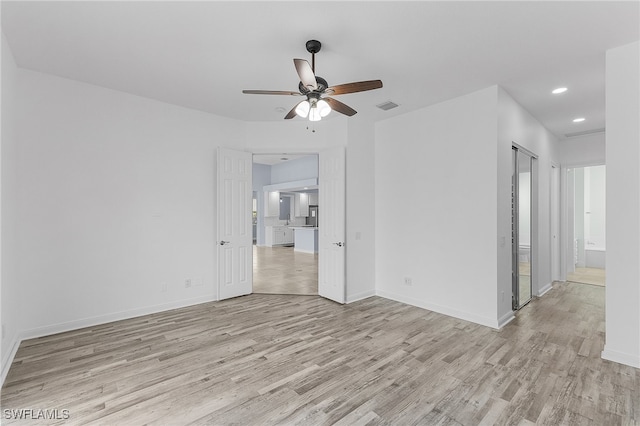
304, 227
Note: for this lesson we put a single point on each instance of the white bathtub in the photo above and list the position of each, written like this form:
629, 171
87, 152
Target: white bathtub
594, 257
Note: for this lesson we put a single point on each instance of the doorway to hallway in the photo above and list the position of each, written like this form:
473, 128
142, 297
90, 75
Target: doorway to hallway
281, 263
587, 218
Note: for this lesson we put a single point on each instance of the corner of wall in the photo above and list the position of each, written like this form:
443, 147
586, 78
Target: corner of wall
8, 356
10, 289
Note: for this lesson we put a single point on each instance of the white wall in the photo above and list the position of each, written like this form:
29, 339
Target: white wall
582, 151
444, 237
116, 201
622, 341
293, 170
9, 278
516, 125
360, 209
295, 135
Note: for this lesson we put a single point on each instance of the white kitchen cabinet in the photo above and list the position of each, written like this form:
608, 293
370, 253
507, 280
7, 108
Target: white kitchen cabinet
278, 236
302, 204
272, 203
287, 235
313, 199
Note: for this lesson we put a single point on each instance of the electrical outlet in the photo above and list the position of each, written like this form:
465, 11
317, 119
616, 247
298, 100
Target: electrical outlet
408, 281
164, 287
187, 283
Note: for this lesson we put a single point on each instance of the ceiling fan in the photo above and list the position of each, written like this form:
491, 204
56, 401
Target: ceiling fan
315, 89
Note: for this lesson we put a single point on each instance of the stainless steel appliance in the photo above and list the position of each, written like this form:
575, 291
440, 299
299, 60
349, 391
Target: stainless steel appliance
312, 219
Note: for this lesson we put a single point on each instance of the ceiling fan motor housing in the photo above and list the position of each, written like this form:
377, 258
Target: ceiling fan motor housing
322, 85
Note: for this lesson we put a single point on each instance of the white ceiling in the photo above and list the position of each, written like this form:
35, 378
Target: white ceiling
201, 55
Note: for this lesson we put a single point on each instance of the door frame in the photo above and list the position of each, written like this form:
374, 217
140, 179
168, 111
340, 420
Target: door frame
534, 220
554, 222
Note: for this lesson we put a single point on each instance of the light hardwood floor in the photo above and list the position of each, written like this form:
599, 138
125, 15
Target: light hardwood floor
277, 359
281, 270
594, 276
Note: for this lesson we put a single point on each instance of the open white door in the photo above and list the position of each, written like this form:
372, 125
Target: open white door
235, 238
331, 259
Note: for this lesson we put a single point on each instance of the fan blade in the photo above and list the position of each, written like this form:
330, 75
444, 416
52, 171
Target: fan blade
340, 107
360, 86
307, 77
292, 113
271, 92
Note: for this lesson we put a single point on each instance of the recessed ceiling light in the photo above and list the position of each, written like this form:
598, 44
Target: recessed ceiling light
578, 120
559, 90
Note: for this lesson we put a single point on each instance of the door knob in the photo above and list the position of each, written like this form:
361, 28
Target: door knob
339, 243
224, 242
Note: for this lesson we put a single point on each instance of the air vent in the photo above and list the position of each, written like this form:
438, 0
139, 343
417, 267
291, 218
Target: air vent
386, 106
584, 133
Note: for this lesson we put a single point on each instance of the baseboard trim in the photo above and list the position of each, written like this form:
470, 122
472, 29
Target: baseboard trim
506, 319
360, 296
93, 321
305, 251
487, 322
544, 290
6, 363
116, 316
621, 357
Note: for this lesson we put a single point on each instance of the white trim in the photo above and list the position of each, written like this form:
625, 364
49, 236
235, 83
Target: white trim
360, 296
544, 290
506, 319
93, 321
620, 357
6, 363
301, 250
487, 322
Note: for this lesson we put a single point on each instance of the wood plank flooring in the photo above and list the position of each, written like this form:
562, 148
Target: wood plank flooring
303, 360
594, 276
281, 270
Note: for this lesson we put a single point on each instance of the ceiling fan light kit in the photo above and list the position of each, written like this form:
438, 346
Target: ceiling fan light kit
316, 107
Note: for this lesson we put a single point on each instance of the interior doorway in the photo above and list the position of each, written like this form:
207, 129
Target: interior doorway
523, 227
586, 203
285, 253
